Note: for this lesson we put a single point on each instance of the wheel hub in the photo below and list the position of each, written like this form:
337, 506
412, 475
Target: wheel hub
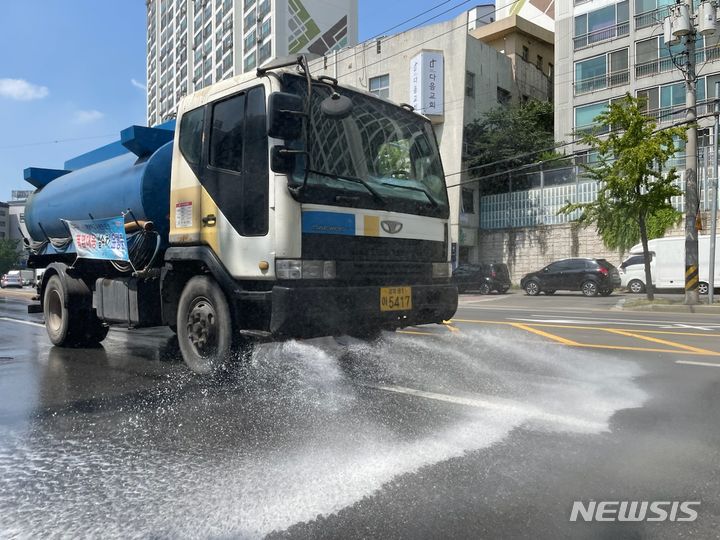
202, 328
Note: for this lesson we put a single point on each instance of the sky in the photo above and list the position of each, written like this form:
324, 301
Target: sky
72, 73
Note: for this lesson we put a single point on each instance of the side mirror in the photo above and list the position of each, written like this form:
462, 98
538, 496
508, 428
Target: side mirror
545, 269
285, 116
282, 160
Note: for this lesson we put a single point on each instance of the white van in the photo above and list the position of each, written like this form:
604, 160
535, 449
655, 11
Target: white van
667, 264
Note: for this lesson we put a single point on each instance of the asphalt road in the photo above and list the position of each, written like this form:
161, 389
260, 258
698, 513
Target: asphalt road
489, 426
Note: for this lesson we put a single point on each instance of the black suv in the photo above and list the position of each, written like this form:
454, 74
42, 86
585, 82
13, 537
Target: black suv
483, 278
591, 276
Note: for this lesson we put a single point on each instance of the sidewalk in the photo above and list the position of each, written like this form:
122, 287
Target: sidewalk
666, 306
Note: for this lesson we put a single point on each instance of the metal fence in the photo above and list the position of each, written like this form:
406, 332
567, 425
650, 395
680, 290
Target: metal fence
551, 190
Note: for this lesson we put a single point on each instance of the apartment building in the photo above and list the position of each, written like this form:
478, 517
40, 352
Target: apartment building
607, 48
194, 43
447, 73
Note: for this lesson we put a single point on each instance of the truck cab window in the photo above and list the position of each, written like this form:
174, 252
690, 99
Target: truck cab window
226, 135
191, 127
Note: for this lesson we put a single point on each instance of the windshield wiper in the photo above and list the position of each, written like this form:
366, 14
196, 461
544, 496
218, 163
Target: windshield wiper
430, 198
379, 198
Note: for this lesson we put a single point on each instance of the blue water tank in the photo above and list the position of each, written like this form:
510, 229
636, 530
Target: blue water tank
103, 190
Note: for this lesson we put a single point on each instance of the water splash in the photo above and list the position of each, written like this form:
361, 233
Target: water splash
302, 431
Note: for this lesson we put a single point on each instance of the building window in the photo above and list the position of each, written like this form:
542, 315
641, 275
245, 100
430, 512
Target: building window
539, 62
525, 53
468, 201
264, 52
650, 12
551, 70
469, 84
602, 24
652, 56
250, 41
604, 71
249, 62
585, 115
380, 86
503, 96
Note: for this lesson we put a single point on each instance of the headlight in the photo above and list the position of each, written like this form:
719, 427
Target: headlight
300, 269
441, 270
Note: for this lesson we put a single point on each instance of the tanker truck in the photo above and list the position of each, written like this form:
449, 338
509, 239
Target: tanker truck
279, 206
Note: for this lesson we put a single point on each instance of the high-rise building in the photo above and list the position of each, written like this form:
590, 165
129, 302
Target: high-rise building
605, 49
193, 43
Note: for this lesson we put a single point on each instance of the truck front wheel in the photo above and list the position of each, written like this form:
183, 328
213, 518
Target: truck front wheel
204, 326
69, 325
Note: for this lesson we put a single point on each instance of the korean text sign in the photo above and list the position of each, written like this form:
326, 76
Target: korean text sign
100, 239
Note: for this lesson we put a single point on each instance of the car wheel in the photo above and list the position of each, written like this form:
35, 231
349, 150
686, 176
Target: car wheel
532, 288
636, 286
503, 291
589, 288
484, 288
68, 324
703, 288
549, 293
204, 326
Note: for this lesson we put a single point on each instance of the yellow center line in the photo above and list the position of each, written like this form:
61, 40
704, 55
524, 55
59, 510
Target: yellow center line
415, 332
695, 350
575, 327
545, 334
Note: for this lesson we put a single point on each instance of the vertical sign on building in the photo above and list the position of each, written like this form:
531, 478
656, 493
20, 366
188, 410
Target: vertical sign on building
426, 83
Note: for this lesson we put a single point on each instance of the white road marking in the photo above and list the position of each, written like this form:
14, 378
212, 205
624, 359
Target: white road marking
9, 319
498, 404
706, 328
692, 363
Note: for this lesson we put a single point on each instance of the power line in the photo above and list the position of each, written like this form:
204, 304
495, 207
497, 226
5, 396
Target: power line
57, 141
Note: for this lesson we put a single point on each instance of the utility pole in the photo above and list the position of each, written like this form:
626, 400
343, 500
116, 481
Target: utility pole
714, 205
684, 24
692, 198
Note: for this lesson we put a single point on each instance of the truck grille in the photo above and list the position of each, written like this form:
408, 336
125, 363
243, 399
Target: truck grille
383, 272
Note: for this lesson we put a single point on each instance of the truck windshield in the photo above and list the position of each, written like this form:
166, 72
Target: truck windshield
380, 156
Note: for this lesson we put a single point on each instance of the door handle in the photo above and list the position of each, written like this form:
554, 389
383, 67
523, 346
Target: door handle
210, 220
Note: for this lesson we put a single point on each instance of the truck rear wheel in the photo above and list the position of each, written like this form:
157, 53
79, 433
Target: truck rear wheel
69, 325
204, 326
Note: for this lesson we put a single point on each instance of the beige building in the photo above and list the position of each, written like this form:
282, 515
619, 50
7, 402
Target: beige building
452, 77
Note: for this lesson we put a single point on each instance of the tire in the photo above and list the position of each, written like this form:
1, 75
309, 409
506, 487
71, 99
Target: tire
605, 292
503, 291
484, 288
69, 325
636, 286
532, 288
703, 288
549, 293
589, 288
204, 326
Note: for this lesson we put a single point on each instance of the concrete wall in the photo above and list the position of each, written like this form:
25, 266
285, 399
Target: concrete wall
528, 249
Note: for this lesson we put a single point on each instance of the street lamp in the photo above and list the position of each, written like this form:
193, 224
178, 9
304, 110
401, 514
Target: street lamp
684, 25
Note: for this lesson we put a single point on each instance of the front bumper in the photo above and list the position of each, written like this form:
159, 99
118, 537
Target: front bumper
305, 312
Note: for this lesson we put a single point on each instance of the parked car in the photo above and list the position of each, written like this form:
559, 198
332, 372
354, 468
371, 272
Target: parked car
483, 278
632, 272
12, 279
590, 276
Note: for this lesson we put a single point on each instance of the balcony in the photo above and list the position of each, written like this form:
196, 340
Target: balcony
609, 80
653, 67
677, 113
651, 18
604, 34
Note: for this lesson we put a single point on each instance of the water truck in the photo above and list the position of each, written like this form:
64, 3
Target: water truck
279, 206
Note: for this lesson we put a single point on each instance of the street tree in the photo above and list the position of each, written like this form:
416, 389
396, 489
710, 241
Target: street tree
9, 255
634, 185
508, 138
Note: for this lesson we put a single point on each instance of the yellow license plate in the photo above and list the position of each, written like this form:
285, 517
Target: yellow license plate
395, 298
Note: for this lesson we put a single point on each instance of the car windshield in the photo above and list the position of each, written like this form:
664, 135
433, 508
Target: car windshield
379, 156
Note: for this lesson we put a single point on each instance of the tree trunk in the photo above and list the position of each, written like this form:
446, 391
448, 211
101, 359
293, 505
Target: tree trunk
649, 288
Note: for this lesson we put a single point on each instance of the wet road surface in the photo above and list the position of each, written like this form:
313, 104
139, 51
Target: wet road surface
474, 430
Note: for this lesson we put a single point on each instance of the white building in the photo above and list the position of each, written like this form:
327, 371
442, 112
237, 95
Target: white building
453, 77
193, 43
